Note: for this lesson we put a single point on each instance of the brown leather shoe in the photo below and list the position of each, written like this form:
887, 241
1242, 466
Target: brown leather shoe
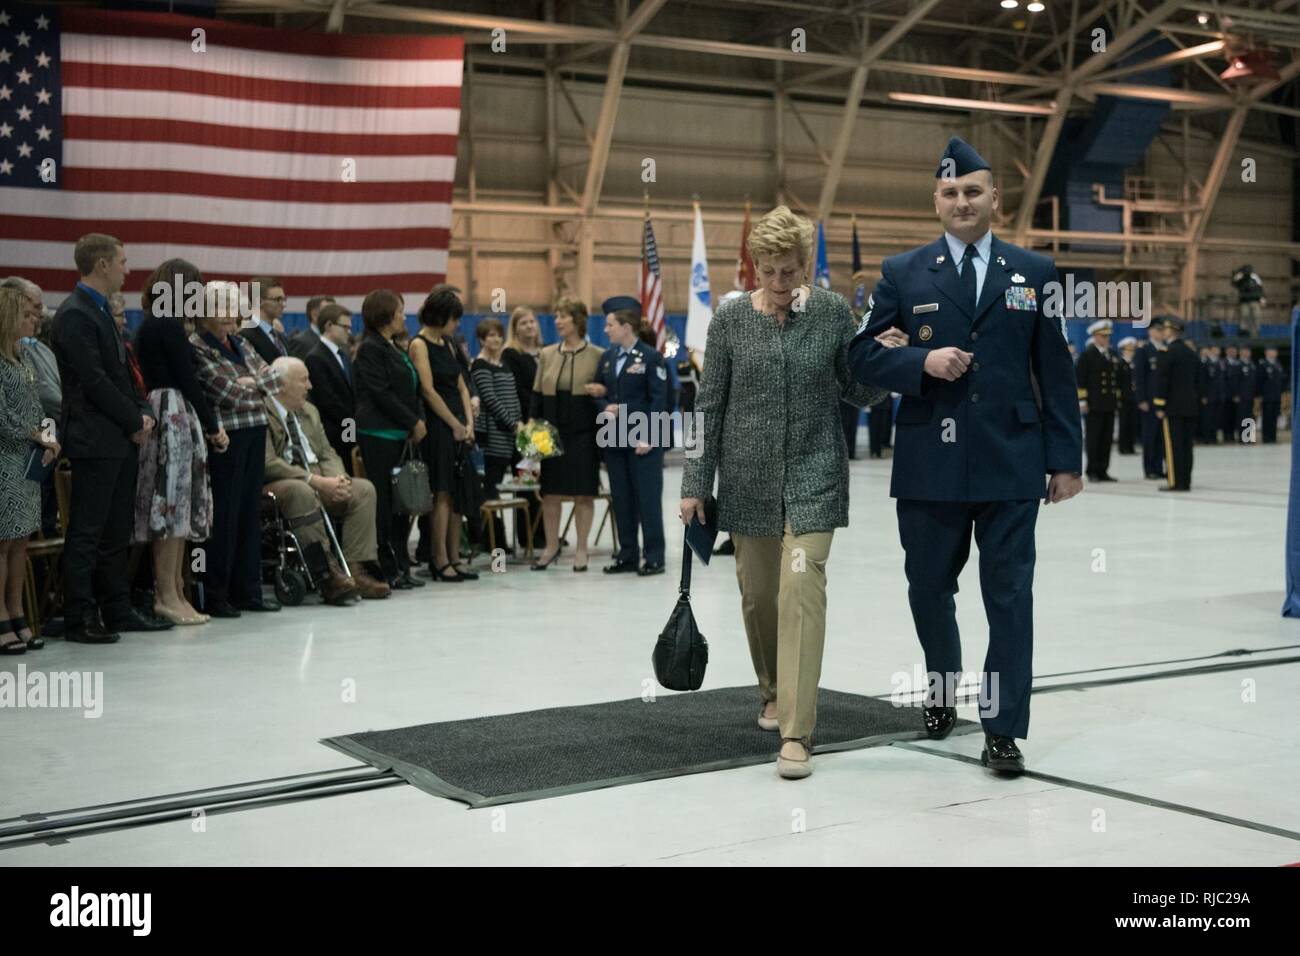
370, 587
338, 588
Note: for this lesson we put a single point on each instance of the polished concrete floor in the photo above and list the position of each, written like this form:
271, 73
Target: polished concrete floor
1200, 768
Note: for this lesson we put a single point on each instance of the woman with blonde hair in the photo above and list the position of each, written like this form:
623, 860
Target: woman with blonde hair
776, 364
523, 345
21, 431
519, 355
559, 396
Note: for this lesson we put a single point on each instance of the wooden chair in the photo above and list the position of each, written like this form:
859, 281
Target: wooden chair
502, 507
36, 606
604, 496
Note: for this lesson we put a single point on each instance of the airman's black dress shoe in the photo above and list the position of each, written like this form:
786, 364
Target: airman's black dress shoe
1002, 754
134, 620
620, 567
265, 604
221, 609
648, 569
90, 631
939, 721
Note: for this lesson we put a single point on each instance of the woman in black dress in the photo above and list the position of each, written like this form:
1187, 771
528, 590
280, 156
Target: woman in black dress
559, 397
388, 416
451, 428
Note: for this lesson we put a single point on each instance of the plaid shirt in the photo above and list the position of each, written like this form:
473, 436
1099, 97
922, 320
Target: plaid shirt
236, 405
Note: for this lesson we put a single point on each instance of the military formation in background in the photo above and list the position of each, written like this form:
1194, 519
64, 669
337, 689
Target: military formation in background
1170, 395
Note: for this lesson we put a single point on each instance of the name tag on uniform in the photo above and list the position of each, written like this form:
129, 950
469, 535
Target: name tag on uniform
637, 369
928, 307
1022, 298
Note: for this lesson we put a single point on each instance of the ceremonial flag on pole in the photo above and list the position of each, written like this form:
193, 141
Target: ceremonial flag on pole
652, 290
700, 309
859, 278
324, 159
745, 280
822, 276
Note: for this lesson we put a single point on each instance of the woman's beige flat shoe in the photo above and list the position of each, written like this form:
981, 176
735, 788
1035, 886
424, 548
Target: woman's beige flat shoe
766, 723
178, 619
795, 769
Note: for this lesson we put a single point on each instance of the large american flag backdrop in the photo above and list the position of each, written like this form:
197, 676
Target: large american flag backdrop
325, 160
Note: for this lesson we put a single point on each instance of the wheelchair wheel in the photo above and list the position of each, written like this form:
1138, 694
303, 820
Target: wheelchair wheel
290, 587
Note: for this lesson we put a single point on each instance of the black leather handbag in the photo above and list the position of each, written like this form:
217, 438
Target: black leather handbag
412, 494
681, 653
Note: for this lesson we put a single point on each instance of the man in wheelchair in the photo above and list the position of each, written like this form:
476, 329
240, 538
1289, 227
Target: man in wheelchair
305, 473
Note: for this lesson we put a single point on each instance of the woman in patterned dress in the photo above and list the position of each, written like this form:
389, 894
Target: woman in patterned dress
173, 498
20, 498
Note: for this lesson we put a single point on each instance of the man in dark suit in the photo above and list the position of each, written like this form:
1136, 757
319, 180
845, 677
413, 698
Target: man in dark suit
1272, 383
1207, 425
1246, 393
974, 445
1231, 394
269, 341
304, 341
1144, 382
1178, 405
104, 421
1098, 377
331, 376
631, 384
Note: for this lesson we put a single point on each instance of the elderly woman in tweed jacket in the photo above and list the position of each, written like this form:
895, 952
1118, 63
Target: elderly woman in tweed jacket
775, 369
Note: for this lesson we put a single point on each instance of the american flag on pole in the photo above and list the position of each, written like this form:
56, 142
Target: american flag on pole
652, 288
326, 160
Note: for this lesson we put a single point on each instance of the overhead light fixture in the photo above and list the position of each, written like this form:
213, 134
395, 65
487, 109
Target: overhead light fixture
1035, 7
1203, 18
1010, 4
1246, 65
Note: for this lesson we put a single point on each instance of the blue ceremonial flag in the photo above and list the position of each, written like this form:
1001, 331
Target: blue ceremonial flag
822, 276
859, 280
1291, 606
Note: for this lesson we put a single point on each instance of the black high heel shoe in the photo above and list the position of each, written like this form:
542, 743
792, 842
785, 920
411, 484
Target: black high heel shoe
11, 647
464, 572
543, 565
438, 575
33, 643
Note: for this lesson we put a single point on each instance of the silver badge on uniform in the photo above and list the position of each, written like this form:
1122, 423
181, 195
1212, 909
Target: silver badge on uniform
928, 307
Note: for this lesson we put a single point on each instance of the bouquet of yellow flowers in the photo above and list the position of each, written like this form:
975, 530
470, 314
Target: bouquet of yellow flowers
538, 439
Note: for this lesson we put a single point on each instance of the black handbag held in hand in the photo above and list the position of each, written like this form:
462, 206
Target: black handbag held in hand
411, 492
681, 653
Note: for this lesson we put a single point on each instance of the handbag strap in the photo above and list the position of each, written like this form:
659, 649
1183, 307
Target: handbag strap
410, 452
685, 587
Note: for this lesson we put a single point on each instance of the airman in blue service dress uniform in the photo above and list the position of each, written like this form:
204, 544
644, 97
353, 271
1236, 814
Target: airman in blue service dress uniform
974, 442
1144, 383
1273, 381
634, 378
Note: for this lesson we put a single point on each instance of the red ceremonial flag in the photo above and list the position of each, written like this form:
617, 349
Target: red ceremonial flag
745, 280
326, 160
